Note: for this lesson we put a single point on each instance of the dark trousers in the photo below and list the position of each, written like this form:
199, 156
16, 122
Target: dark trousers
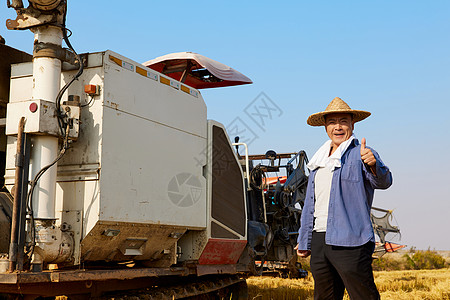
338, 268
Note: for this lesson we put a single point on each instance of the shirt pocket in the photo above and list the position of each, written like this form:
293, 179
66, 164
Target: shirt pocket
351, 172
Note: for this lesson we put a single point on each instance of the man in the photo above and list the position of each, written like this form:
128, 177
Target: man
335, 225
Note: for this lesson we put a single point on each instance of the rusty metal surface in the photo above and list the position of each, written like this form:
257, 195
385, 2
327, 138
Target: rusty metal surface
19, 199
150, 242
24, 278
33, 15
45, 4
222, 251
56, 51
83, 289
216, 269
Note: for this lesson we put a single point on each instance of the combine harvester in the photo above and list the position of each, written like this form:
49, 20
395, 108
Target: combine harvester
116, 184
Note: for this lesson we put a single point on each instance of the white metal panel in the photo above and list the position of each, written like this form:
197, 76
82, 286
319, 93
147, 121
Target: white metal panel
79, 169
11, 148
21, 85
87, 149
152, 135
133, 93
22, 70
80, 196
42, 121
20, 89
139, 160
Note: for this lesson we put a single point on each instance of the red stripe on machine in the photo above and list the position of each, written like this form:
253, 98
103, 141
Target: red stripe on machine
222, 252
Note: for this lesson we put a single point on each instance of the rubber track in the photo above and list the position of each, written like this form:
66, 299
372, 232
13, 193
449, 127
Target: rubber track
185, 290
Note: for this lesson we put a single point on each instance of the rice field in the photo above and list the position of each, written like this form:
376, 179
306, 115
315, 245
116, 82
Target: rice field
398, 285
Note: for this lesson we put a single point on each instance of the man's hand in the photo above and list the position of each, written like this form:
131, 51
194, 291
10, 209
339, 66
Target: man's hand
367, 156
302, 253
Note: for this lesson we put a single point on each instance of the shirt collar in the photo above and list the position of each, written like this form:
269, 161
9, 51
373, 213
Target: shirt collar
322, 159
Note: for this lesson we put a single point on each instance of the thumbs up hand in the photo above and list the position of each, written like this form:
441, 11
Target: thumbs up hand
366, 154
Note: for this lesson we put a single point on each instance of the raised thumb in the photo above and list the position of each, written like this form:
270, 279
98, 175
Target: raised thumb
363, 144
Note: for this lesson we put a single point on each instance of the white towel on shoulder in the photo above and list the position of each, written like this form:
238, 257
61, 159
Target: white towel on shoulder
321, 159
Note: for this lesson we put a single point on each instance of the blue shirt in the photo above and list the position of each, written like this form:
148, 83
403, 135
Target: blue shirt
352, 189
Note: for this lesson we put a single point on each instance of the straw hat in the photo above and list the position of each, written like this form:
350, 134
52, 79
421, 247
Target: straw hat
337, 105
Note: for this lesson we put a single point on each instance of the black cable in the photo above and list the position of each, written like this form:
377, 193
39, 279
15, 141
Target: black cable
90, 101
61, 121
70, 32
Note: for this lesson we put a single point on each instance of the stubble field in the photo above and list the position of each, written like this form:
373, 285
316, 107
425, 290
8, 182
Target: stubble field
398, 285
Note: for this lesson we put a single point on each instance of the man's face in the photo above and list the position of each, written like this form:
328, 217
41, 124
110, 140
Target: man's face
339, 127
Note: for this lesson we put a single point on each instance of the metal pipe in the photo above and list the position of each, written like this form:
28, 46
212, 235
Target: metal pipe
26, 142
44, 152
46, 85
246, 159
15, 223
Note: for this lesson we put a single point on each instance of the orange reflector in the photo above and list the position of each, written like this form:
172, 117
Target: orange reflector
90, 89
185, 89
164, 80
141, 71
116, 60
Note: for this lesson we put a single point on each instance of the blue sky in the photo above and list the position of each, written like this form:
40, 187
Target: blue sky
388, 57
